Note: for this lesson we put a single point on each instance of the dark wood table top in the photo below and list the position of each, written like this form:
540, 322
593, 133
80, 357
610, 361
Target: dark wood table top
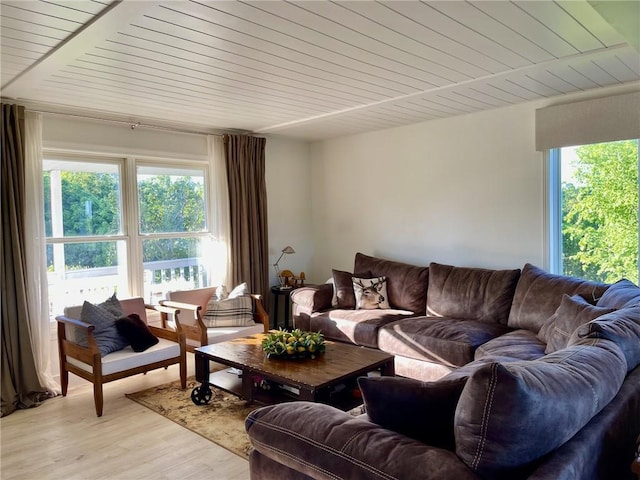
339, 361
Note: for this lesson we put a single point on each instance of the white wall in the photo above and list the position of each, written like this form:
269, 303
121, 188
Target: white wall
63, 132
289, 204
467, 191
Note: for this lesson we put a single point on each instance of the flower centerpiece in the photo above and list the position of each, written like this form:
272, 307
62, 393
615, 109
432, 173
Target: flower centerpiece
294, 344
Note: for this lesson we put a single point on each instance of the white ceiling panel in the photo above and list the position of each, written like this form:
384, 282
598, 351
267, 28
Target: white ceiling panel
309, 70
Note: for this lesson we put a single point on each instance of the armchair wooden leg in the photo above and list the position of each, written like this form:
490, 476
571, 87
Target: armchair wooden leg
64, 381
183, 370
98, 398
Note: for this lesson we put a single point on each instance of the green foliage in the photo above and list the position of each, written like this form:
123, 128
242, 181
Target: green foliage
169, 205
600, 213
91, 207
294, 344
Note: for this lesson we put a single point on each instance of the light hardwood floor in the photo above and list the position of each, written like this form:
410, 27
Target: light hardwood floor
63, 439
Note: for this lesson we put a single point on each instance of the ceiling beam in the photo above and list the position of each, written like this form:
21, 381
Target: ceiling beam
594, 55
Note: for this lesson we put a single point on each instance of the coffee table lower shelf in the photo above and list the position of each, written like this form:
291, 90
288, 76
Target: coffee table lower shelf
344, 396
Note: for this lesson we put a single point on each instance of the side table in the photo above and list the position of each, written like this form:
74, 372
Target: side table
279, 293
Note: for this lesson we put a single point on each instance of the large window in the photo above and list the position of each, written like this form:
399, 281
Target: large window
119, 225
594, 211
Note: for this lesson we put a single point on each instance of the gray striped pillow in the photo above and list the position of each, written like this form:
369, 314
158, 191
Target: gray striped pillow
234, 311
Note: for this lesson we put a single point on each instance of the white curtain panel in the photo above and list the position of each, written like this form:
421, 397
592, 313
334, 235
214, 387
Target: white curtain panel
37, 292
221, 227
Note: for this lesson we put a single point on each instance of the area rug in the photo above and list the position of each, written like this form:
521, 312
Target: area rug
221, 420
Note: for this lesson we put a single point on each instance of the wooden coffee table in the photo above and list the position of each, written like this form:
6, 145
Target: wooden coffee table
315, 380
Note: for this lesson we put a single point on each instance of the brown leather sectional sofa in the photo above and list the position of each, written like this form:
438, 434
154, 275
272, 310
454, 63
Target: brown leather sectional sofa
501, 374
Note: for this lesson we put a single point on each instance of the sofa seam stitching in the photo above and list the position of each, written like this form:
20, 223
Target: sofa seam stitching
296, 459
485, 416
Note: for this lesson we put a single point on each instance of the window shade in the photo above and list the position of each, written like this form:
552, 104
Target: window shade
591, 121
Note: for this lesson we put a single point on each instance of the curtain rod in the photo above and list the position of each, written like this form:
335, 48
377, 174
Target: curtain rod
132, 125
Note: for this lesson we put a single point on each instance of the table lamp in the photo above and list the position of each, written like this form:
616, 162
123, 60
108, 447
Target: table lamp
285, 251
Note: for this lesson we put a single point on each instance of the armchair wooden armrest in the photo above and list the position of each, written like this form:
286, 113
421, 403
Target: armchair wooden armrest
191, 304
70, 347
190, 322
175, 334
260, 315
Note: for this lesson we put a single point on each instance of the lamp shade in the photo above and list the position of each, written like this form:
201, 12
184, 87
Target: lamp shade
285, 251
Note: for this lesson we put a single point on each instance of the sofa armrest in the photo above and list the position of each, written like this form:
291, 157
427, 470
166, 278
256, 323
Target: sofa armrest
315, 299
323, 442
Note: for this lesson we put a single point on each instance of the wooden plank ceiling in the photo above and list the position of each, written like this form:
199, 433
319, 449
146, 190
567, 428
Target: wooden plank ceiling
305, 69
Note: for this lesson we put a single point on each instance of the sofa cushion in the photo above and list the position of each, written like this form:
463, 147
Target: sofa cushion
538, 295
509, 415
572, 312
420, 410
343, 285
445, 340
621, 326
471, 293
623, 293
518, 344
354, 326
322, 442
406, 284
371, 293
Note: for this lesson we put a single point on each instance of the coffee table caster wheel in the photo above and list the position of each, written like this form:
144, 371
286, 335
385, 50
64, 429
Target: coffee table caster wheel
201, 395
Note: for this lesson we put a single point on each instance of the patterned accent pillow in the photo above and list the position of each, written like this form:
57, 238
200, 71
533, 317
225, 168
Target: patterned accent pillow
234, 311
370, 293
105, 333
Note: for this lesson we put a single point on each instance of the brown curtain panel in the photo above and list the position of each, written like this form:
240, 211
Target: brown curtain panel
20, 385
245, 161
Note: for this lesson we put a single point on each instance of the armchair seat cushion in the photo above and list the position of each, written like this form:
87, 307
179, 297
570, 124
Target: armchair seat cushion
447, 341
223, 334
127, 359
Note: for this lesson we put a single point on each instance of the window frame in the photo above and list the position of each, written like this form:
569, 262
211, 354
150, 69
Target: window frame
129, 209
553, 209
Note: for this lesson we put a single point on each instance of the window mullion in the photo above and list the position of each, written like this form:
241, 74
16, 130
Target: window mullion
132, 232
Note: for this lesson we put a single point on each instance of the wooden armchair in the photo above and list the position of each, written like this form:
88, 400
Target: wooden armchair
87, 362
191, 303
